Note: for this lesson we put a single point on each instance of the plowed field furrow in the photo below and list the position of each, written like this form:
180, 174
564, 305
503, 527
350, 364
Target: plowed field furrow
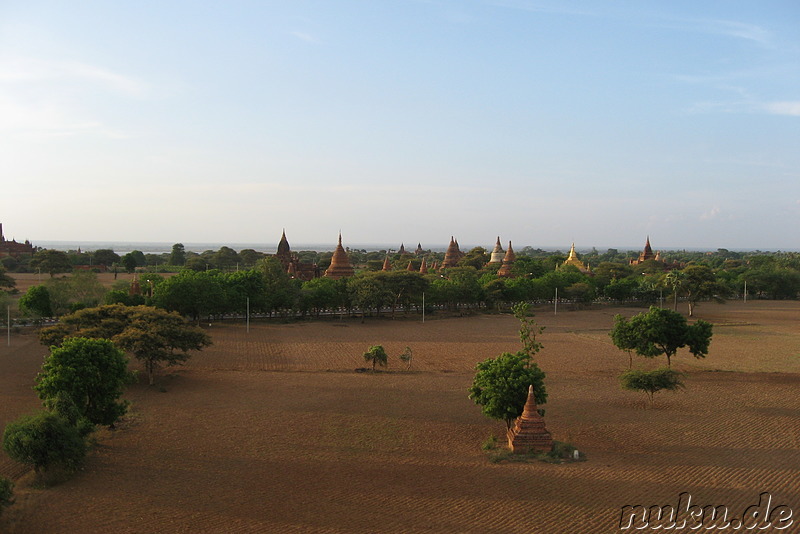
272, 431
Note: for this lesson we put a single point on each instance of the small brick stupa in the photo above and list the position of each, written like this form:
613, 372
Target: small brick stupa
508, 261
340, 263
529, 433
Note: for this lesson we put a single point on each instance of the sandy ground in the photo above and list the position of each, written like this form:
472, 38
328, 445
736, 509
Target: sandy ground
272, 431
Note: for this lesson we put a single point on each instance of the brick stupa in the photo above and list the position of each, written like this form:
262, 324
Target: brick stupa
529, 433
452, 255
508, 261
340, 263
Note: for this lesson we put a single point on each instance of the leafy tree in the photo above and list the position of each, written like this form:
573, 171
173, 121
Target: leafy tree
500, 386
6, 493
226, 258
5, 280
51, 261
192, 293
651, 382
44, 440
368, 292
661, 331
249, 256
153, 335
477, 258
376, 355
674, 280
93, 372
36, 302
178, 254
129, 261
699, 283
105, 256
624, 337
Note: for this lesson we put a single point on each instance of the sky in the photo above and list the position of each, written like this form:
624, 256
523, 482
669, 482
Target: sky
402, 121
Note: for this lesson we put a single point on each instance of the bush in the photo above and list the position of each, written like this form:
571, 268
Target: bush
44, 440
651, 382
376, 354
6, 493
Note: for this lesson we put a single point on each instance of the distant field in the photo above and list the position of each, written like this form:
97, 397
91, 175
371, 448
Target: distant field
273, 431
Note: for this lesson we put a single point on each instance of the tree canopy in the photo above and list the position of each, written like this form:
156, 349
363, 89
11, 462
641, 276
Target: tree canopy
153, 335
93, 373
661, 331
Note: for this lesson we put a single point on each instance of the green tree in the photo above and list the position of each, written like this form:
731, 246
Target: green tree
5, 280
500, 386
661, 331
178, 254
51, 261
105, 256
192, 293
624, 337
36, 302
154, 336
376, 355
93, 372
700, 283
129, 262
651, 382
44, 440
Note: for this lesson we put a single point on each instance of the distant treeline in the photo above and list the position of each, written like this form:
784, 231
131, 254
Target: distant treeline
229, 282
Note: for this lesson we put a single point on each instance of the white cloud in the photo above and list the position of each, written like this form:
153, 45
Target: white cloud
791, 108
26, 70
710, 214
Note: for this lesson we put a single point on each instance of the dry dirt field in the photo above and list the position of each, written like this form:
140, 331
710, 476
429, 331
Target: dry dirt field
273, 431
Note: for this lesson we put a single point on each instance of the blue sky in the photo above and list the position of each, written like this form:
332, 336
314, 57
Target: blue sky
544, 122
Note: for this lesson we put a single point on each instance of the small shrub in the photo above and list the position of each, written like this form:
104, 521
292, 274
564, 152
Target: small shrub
377, 355
651, 382
6, 493
490, 444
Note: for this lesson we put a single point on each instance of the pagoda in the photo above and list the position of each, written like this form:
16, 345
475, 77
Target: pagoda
646, 254
291, 262
575, 261
386, 265
529, 433
508, 261
419, 250
452, 255
423, 268
497, 253
340, 263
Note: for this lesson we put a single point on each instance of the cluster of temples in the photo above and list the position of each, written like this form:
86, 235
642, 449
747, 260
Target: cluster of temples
14, 249
341, 266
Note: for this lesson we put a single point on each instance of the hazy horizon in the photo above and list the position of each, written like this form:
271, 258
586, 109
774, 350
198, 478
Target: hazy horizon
162, 247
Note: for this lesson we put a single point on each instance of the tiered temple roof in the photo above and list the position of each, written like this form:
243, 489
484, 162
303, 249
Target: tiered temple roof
419, 250
646, 254
423, 268
340, 263
497, 253
508, 261
292, 264
452, 255
529, 433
